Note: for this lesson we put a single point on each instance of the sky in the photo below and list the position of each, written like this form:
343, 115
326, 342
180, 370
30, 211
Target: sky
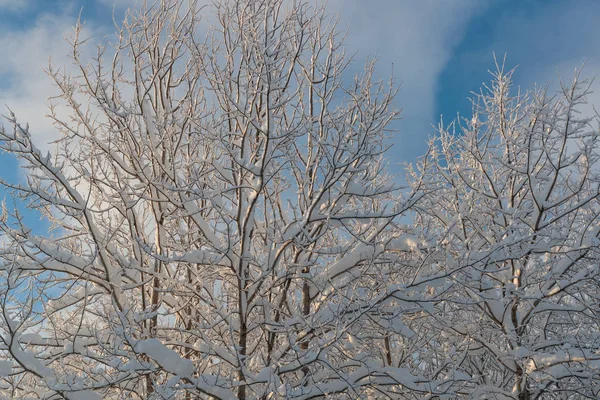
439, 50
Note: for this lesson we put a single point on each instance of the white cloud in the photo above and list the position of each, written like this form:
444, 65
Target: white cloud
418, 37
13, 5
24, 86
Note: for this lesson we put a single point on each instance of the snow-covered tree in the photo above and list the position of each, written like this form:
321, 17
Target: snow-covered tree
222, 222
223, 226
511, 213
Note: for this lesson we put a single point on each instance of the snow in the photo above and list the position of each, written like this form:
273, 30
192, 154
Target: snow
404, 243
521, 352
29, 360
168, 359
32, 337
264, 375
5, 368
84, 395
194, 212
399, 327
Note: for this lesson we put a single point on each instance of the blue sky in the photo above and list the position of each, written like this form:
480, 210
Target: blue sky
440, 50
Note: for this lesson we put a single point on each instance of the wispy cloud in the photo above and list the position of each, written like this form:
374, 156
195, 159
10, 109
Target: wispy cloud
550, 43
24, 86
418, 39
13, 5
540, 39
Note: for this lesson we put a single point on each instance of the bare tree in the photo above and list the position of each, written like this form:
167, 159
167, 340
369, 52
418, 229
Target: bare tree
223, 225
512, 212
